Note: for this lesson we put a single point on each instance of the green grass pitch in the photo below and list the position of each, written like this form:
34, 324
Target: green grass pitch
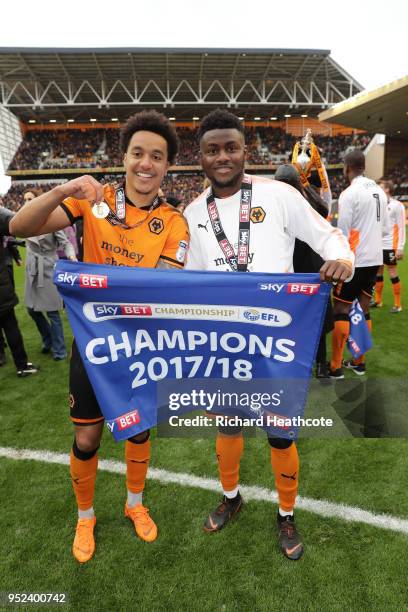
346, 566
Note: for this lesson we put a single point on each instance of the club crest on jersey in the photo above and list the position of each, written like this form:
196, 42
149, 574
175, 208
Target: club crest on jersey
257, 214
156, 225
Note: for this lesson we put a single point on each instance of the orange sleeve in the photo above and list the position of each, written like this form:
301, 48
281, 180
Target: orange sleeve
176, 245
354, 239
74, 208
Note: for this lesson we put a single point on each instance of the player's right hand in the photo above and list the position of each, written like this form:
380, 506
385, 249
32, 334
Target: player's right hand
333, 271
83, 188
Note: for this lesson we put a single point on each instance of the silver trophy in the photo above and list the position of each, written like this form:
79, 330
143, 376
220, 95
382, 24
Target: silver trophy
303, 158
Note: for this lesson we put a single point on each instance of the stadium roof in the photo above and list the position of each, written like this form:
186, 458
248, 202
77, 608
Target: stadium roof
43, 84
383, 110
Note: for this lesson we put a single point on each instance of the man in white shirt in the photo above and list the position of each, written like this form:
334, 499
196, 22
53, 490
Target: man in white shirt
393, 249
244, 223
363, 219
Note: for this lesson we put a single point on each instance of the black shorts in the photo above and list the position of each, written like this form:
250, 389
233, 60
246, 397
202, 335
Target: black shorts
84, 407
389, 257
363, 281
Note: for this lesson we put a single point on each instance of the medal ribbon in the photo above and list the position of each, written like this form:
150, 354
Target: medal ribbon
238, 262
117, 217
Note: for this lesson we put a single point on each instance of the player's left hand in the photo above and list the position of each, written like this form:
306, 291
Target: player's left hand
335, 271
400, 254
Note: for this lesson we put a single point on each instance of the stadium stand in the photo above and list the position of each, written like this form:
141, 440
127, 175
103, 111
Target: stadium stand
13, 199
84, 149
184, 187
399, 176
92, 148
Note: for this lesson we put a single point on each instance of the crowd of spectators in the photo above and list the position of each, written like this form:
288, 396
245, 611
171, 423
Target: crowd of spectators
59, 149
14, 200
182, 187
188, 152
99, 148
276, 145
113, 157
338, 182
399, 177
179, 186
33, 149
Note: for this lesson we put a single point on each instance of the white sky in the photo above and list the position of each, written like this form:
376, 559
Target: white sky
368, 38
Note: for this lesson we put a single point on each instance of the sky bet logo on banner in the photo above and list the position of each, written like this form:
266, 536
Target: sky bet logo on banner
148, 326
93, 281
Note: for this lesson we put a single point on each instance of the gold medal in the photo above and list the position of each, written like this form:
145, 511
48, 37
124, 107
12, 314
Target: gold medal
100, 210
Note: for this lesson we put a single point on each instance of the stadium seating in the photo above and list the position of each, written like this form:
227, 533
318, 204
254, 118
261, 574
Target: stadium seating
184, 187
99, 148
399, 176
91, 148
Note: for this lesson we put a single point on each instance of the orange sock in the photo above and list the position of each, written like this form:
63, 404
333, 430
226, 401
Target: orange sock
285, 466
137, 461
379, 286
229, 451
83, 468
339, 338
396, 289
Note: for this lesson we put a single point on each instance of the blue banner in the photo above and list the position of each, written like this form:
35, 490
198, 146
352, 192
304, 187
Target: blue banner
137, 328
359, 340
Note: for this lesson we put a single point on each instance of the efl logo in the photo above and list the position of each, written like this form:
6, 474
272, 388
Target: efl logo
127, 420
93, 281
251, 314
303, 289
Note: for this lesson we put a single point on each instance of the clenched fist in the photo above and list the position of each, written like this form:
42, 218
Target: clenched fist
83, 188
335, 271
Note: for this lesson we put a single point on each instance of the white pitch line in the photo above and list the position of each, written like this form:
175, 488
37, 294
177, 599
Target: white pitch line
321, 507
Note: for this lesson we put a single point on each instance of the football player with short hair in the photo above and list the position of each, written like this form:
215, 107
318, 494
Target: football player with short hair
393, 249
363, 219
278, 215
129, 225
